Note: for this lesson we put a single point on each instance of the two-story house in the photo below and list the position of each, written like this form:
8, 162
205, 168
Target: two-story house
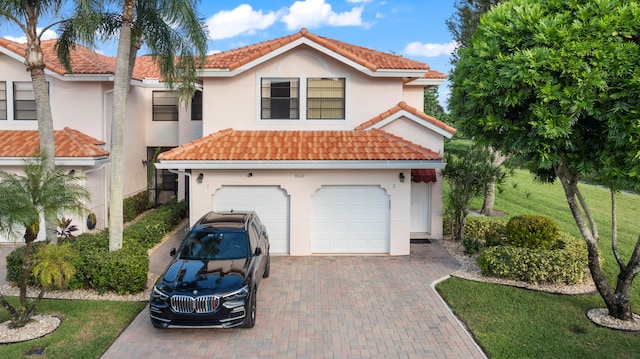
324, 139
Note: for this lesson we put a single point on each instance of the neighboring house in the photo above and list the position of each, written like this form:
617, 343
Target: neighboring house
324, 140
81, 104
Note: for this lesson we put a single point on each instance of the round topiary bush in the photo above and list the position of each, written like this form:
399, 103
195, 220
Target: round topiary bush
532, 231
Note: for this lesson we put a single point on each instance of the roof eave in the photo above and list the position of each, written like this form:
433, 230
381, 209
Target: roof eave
426, 82
59, 161
316, 165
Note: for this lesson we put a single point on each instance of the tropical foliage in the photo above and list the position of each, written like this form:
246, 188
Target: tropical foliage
556, 83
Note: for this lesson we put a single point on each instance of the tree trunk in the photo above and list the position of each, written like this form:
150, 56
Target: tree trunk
121, 87
618, 304
489, 199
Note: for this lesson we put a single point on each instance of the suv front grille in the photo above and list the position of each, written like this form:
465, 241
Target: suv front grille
185, 304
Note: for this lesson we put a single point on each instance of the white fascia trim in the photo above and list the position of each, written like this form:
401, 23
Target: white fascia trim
414, 118
59, 161
318, 47
82, 77
426, 82
315, 165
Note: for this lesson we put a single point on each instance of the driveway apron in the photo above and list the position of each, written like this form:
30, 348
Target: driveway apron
326, 307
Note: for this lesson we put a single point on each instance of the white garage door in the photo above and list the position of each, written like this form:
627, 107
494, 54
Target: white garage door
350, 219
270, 202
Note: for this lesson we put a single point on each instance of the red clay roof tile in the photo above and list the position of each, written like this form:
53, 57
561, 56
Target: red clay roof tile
68, 143
369, 58
403, 106
231, 145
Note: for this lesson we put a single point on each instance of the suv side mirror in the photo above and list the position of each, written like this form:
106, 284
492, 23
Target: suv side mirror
258, 251
173, 252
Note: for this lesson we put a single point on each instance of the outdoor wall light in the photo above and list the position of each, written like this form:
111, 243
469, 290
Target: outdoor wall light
401, 176
144, 163
200, 177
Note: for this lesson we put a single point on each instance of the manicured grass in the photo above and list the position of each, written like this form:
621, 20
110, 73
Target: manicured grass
517, 323
87, 329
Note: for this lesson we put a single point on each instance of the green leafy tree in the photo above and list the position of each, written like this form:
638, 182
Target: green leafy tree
24, 199
462, 25
557, 83
468, 177
176, 39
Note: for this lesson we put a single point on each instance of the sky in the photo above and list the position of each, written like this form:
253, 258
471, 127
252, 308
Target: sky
414, 29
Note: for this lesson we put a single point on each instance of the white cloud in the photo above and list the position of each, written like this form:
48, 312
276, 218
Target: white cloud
47, 35
417, 48
314, 13
241, 20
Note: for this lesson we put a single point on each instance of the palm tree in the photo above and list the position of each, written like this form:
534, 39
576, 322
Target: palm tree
26, 15
24, 200
175, 36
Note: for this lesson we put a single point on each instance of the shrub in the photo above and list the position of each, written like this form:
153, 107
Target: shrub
134, 205
489, 231
471, 245
532, 231
564, 265
123, 271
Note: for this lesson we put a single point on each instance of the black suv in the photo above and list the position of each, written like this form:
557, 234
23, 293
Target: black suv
212, 280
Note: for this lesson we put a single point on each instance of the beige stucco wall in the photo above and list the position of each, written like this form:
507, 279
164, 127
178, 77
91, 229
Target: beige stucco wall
301, 185
235, 102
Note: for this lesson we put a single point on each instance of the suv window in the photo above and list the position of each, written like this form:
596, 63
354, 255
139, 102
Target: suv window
214, 244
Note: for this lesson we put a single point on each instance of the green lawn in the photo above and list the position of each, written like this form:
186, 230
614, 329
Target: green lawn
87, 329
518, 323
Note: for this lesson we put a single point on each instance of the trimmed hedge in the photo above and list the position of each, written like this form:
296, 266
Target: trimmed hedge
134, 205
532, 231
123, 271
483, 232
564, 265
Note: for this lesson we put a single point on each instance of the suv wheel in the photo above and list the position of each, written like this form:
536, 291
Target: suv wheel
250, 320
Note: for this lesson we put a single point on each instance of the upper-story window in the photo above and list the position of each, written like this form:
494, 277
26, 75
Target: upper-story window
3, 100
325, 98
196, 106
280, 98
165, 106
24, 101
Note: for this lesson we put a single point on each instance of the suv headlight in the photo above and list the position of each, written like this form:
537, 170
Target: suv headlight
238, 294
158, 294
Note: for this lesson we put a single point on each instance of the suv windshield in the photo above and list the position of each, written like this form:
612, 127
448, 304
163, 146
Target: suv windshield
213, 244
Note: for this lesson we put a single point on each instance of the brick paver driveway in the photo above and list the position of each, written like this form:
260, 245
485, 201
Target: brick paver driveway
327, 307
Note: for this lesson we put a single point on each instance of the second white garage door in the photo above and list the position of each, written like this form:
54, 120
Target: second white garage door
350, 219
271, 203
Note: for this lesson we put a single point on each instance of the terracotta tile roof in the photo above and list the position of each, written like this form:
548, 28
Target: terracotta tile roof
84, 60
403, 106
68, 143
231, 145
369, 58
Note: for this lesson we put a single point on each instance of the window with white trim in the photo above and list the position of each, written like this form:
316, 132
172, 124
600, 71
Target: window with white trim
280, 98
3, 100
325, 98
24, 101
165, 106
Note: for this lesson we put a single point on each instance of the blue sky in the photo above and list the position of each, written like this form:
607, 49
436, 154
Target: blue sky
412, 28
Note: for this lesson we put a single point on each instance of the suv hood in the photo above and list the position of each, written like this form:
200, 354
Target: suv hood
206, 277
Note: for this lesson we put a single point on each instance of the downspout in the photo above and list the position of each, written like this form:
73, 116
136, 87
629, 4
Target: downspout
108, 145
188, 174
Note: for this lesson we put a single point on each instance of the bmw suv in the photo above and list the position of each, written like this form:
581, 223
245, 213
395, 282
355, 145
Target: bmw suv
212, 280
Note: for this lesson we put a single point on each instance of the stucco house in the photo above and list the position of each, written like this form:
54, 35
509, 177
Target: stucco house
324, 139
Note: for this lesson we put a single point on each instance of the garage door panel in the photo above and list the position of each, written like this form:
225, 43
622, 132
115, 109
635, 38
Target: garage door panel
350, 219
271, 203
